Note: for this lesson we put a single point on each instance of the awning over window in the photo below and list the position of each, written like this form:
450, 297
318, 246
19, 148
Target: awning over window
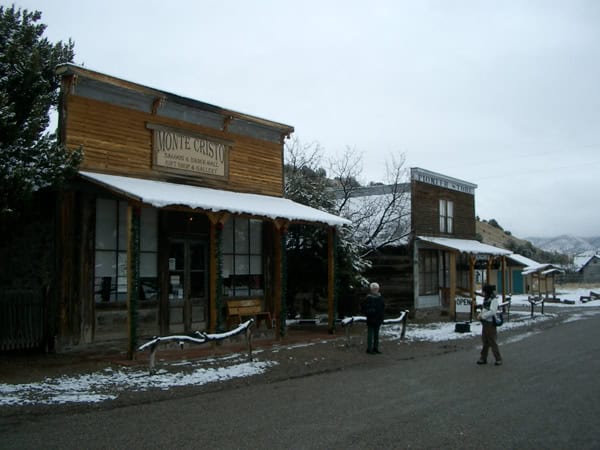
465, 246
161, 194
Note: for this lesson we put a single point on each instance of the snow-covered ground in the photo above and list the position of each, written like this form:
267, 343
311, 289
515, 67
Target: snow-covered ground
108, 384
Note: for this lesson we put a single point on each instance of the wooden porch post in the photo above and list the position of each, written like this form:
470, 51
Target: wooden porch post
278, 233
452, 292
488, 270
133, 276
503, 278
213, 263
331, 278
216, 222
472, 260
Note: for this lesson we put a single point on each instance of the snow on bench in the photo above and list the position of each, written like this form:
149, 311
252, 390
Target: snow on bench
536, 301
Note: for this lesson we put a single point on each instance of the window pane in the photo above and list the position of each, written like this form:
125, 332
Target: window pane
122, 272
106, 224
148, 265
227, 270
242, 266
450, 209
106, 264
241, 236
123, 226
442, 224
255, 237
442, 207
256, 265
450, 225
227, 235
149, 230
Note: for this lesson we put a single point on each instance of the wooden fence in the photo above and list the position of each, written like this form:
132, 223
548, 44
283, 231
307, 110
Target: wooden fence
22, 319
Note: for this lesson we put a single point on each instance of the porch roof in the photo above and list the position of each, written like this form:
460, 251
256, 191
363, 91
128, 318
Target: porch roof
543, 269
465, 246
161, 194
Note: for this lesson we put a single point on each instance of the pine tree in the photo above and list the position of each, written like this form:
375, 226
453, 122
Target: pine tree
30, 157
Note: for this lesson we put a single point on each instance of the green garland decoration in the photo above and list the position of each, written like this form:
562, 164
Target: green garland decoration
283, 313
336, 279
134, 266
219, 299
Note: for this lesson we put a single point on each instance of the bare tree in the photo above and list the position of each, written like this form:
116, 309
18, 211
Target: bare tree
380, 213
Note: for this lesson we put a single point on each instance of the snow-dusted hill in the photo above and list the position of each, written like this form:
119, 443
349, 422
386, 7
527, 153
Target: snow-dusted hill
566, 244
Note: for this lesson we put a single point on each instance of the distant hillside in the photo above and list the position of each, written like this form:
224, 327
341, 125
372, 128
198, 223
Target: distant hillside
493, 235
490, 232
570, 245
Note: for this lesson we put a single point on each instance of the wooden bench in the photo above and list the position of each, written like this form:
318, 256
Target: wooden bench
237, 310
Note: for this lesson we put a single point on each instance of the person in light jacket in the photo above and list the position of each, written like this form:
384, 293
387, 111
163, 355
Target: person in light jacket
373, 308
488, 325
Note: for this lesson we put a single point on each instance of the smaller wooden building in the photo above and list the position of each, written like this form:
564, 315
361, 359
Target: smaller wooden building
437, 263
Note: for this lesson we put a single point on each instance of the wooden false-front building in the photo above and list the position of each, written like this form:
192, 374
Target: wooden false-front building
176, 210
436, 263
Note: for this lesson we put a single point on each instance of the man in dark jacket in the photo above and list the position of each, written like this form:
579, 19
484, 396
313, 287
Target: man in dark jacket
373, 308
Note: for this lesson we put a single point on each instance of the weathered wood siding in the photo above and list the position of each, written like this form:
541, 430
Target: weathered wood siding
425, 211
392, 269
116, 140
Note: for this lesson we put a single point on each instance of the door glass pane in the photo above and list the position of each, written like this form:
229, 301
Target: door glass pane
176, 256
196, 256
176, 271
197, 285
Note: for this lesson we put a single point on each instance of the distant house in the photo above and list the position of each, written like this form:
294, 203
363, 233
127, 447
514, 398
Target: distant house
590, 269
516, 282
541, 279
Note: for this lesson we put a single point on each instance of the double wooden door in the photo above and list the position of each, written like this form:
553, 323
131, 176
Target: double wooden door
188, 289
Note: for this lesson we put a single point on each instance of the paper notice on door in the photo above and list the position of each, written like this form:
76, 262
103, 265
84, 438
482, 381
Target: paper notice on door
180, 294
175, 280
172, 263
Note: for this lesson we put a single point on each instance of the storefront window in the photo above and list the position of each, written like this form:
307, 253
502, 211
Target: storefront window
110, 274
242, 258
428, 272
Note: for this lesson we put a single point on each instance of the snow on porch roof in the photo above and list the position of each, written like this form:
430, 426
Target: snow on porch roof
161, 194
465, 246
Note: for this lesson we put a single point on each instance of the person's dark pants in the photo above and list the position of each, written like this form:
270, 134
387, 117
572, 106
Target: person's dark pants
372, 338
488, 338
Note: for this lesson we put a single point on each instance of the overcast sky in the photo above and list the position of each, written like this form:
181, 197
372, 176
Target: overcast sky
502, 94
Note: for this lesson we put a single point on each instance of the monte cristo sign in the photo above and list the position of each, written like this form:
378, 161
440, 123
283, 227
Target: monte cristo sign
188, 154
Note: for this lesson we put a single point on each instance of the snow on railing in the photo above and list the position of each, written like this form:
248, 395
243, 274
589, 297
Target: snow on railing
197, 337
535, 301
402, 318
